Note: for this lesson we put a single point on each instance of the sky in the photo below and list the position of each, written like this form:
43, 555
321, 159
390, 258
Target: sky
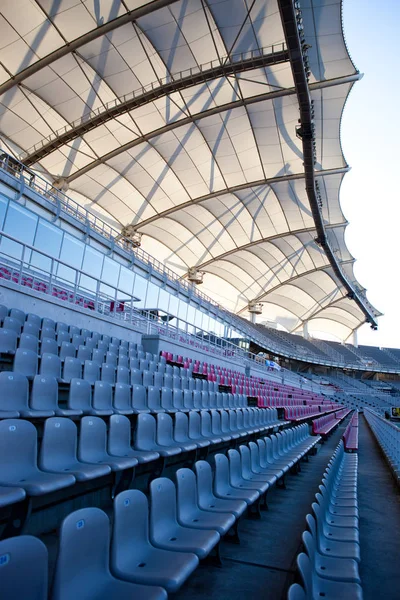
370, 137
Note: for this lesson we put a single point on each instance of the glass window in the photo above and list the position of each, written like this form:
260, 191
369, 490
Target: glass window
48, 238
152, 296
20, 223
139, 290
191, 314
110, 272
163, 300
87, 284
3, 208
72, 251
66, 274
182, 310
173, 305
42, 262
126, 278
92, 262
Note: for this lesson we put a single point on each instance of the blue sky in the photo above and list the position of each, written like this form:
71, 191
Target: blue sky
370, 135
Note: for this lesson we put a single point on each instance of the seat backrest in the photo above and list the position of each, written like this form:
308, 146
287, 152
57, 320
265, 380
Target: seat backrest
84, 353
50, 364
154, 398
72, 368
28, 342
23, 568
119, 435
186, 484
136, 376
145, 434
194, 425
108, 373
17, 314
139, 398
163, 515
59, 443
102, 395
18, 447
165, 430
204, 480
221, 471
83, 556
14, 391
25, 362
13, 324
91, 371
131, 527
122, 374
92, 439
32, 329
67, 349
181, 428
8, 340
305, 570
122, 397
79, 395
44, 395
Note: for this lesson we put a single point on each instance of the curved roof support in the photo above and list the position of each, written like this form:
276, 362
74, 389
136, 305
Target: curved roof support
87, 37
290, 27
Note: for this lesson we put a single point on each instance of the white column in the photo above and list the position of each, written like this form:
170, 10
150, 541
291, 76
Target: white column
305, 330
252, 317
354, 338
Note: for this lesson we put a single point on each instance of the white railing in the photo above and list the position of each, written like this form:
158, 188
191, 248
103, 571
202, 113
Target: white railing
388, 437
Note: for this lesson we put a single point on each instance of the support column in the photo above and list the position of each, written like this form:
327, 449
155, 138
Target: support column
354, 338
305, 330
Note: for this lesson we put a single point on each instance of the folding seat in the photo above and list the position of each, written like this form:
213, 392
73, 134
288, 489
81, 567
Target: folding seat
93, 446
247, 472
59, 448
18, 460
198, 385
78, 340
195, 433
18, 315
154, 399
216, 427
204, 385
152, 366
177, 401
48, 323
31, 329
145, 437
90, 343
166, 400
111, 359
44, 397
96, 336
223, 487
50, 364
181, 432
165, 531
102, 399
136, 376
98, 356
176, 382
82, 569
189, 513
85, 333
158, 379
134, 558
10, 495
3, 312
206, 498
119, 441
108, 373
236, 477
74, 330
184, 383
316, 586
115, 342
336, 569
188, 399
123, 375
123, 361
84, 353
26, 363
337, 521
148, 378
67, 349
80, 394
72, 369
139, 400
331, 541
161, 369
218, 398
206, 428
24, 568
106, 338
47, 333
91, 371
205, 400
122, 399
13, 324
143, 364
212, 400
167, 381
8, 341
165, 434
102, 347
169, 370
62, 336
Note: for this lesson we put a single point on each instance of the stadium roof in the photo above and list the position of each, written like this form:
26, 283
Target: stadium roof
180, 117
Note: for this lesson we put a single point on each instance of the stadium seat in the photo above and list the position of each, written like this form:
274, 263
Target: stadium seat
44, 397
26, 363
11, 495
165, 434
146, 437
18, 460
102, 399
50, 365
316, 586
165, 531
134, 558
93, 446
195, 433
82, 569
24, 568
58, 452
206, 498
223, 488
119, 441
122, 403
80, 394
8, 341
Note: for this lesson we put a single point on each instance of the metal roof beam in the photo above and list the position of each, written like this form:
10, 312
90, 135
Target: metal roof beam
90, 36
278, 55
291, 31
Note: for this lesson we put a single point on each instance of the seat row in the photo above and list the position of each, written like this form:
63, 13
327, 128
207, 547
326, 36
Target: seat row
329, 565
388, 437
153, 549
328, 423
350, 436
41, 399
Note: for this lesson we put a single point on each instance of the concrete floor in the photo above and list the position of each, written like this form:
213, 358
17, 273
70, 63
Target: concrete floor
264, 564
379, 509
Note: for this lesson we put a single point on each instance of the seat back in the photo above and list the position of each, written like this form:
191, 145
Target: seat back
91, 371
139, 398
108, 373
145, 435
92, 439
181, 429
119, 436
8, 340
18, 448
80, 394
14, 391
23, 568
25, 362
59, 443
122, 397
83, 557
194, 425
204, 482
72, 369
28, 341
163, 508
44, 394
305, 570
165, 430
131, 528
186, 492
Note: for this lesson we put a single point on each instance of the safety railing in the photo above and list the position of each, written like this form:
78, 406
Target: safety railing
388, 437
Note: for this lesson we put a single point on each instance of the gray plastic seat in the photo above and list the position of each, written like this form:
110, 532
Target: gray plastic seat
8, 341
98, 356
77, 340
80, 394
329, 547
139, 401
93, 446
316, 586
24, 568
60, 326
216, 427
18, 460
13, 324
148, 378
49, 323
205, 495
31, 329
146, 437
19, 315
48, 345
3, 312
14, 397
154, 399
296, 592
134, 558
108, 373
119, 441
84, 353
329, 567
11, 495
82, 569
189, 513
58, 452
206, 428
195, 433
123, 361
177, 400
247, 469
165, 434
91, 371
72, 369
336, 528
188, 399
122, 374
50, 365
166, 532
122, 403
26, 363
166, 400
62, 336
28, 342
67, 349
223, 487
102, 399
238, 480
44, 397
181, 432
